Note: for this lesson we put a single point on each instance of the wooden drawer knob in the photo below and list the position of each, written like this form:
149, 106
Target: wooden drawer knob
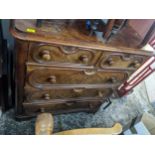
100, 94
136, 64
84, 58
46, 96
45, 55
112, 80
52, 79
110, 61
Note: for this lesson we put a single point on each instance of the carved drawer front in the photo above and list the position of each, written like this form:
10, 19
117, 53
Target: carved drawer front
64, 107
48, 54
47, 77
65, 94
122, 61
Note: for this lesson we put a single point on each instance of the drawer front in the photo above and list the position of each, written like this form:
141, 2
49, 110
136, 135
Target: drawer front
49, 54
56, 108
38, 96
122, 61
47, 77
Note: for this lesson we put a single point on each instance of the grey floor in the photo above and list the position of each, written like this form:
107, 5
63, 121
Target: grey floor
121, 110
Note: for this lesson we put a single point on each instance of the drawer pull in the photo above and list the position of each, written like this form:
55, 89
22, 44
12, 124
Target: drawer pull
78, 90
135, 64
110, 61
90, 72
112, 80
52, 79
46, 96
84, 58
45, 55
100, 94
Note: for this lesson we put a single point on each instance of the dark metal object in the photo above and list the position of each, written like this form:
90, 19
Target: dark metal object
107, 103
5, 74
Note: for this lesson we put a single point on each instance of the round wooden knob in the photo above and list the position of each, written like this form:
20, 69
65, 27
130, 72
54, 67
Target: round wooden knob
52, 79
136, 64
45, 55
100, 94
84, 58
113, 80
110, 61
46, 96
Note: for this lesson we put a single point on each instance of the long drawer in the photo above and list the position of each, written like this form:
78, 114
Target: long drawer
50, 77
63, 107
39, 96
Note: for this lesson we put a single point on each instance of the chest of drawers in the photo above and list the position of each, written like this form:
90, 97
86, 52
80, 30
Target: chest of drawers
59, 68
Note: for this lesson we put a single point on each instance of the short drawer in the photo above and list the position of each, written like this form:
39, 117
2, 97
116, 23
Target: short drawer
52, 54
122, 61
48, 77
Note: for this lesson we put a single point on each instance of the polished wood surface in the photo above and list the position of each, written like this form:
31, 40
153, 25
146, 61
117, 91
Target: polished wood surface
74, 34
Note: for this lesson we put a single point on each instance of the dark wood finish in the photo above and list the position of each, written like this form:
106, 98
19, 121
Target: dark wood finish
61, 107
20, 70
60, 68
49, 77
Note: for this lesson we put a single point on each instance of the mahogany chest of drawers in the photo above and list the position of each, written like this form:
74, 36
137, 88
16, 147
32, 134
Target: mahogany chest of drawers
60, 69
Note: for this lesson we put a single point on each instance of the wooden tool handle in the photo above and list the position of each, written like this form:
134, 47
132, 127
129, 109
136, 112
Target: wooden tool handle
115, 130
44, 124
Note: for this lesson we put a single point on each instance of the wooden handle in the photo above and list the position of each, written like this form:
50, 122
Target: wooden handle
44, 124
84, 58
52, 79
110, 61
46, 96
115, 130
136, 64
100, 94
45, 55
